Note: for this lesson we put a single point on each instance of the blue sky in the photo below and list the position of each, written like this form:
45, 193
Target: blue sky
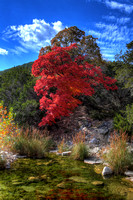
28, 25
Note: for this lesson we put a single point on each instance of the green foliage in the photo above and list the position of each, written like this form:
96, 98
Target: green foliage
124, 120
121, 123
79, 151
16, 91
118, 155
86, 44
124, 67
129, 114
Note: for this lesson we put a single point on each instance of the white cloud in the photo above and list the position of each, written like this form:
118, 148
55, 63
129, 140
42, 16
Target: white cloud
111, 38
128, 8
3, 51
18, 50
122, 7
33, 36
113, 32
57, 26
122, 20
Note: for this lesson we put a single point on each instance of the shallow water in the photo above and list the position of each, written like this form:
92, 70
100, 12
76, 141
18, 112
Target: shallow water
60, 178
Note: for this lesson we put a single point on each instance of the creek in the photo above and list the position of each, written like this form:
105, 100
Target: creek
58, 177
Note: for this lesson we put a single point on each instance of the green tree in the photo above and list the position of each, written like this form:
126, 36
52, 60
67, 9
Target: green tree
86, 44
124, 67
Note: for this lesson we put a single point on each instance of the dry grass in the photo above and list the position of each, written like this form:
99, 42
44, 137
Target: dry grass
118, 156
79, 150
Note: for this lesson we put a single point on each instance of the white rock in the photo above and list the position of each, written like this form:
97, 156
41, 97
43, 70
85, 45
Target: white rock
93, 162
107, 171
94, 150
67, 153
129, 178
129, 173
53, 151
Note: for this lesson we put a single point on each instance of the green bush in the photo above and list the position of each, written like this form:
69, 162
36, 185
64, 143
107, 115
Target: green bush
118, 155
124, 120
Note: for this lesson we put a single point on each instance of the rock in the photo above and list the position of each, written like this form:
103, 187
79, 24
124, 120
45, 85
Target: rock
98, 183
53, 151
43, 177
94, 141
33, 179
129, 173
8, 166
129, 179
94, 150
98, 169
103, 130
59, 154
107, 171
93, 161
61, 185
66, 153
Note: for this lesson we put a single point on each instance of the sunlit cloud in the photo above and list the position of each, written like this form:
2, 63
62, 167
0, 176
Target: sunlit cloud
3, 52
33, 36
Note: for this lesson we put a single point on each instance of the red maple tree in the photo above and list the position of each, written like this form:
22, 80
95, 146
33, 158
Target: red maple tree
62, 78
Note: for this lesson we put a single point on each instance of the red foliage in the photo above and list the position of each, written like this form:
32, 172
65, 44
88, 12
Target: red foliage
68, 78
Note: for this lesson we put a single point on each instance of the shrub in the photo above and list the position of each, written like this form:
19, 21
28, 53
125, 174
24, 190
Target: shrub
32, 145
79, 150
124, 120
7, 126
118, 156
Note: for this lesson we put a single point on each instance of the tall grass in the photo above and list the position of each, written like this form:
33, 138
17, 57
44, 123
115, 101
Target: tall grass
62, 146
32, 143
79, 150
118, 155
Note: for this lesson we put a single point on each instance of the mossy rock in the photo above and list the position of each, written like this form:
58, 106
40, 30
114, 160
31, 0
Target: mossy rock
115, 187
43, 177
62, 185
28, 188
17, 183
33, 179
98, 169
78, 179
98, 183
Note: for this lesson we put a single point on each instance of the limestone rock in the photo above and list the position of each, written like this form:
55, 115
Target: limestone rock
94, 141
98, 183
129, 173
93, 161
107, 171
66, 153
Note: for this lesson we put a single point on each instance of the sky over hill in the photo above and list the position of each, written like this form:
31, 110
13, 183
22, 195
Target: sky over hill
28, 25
